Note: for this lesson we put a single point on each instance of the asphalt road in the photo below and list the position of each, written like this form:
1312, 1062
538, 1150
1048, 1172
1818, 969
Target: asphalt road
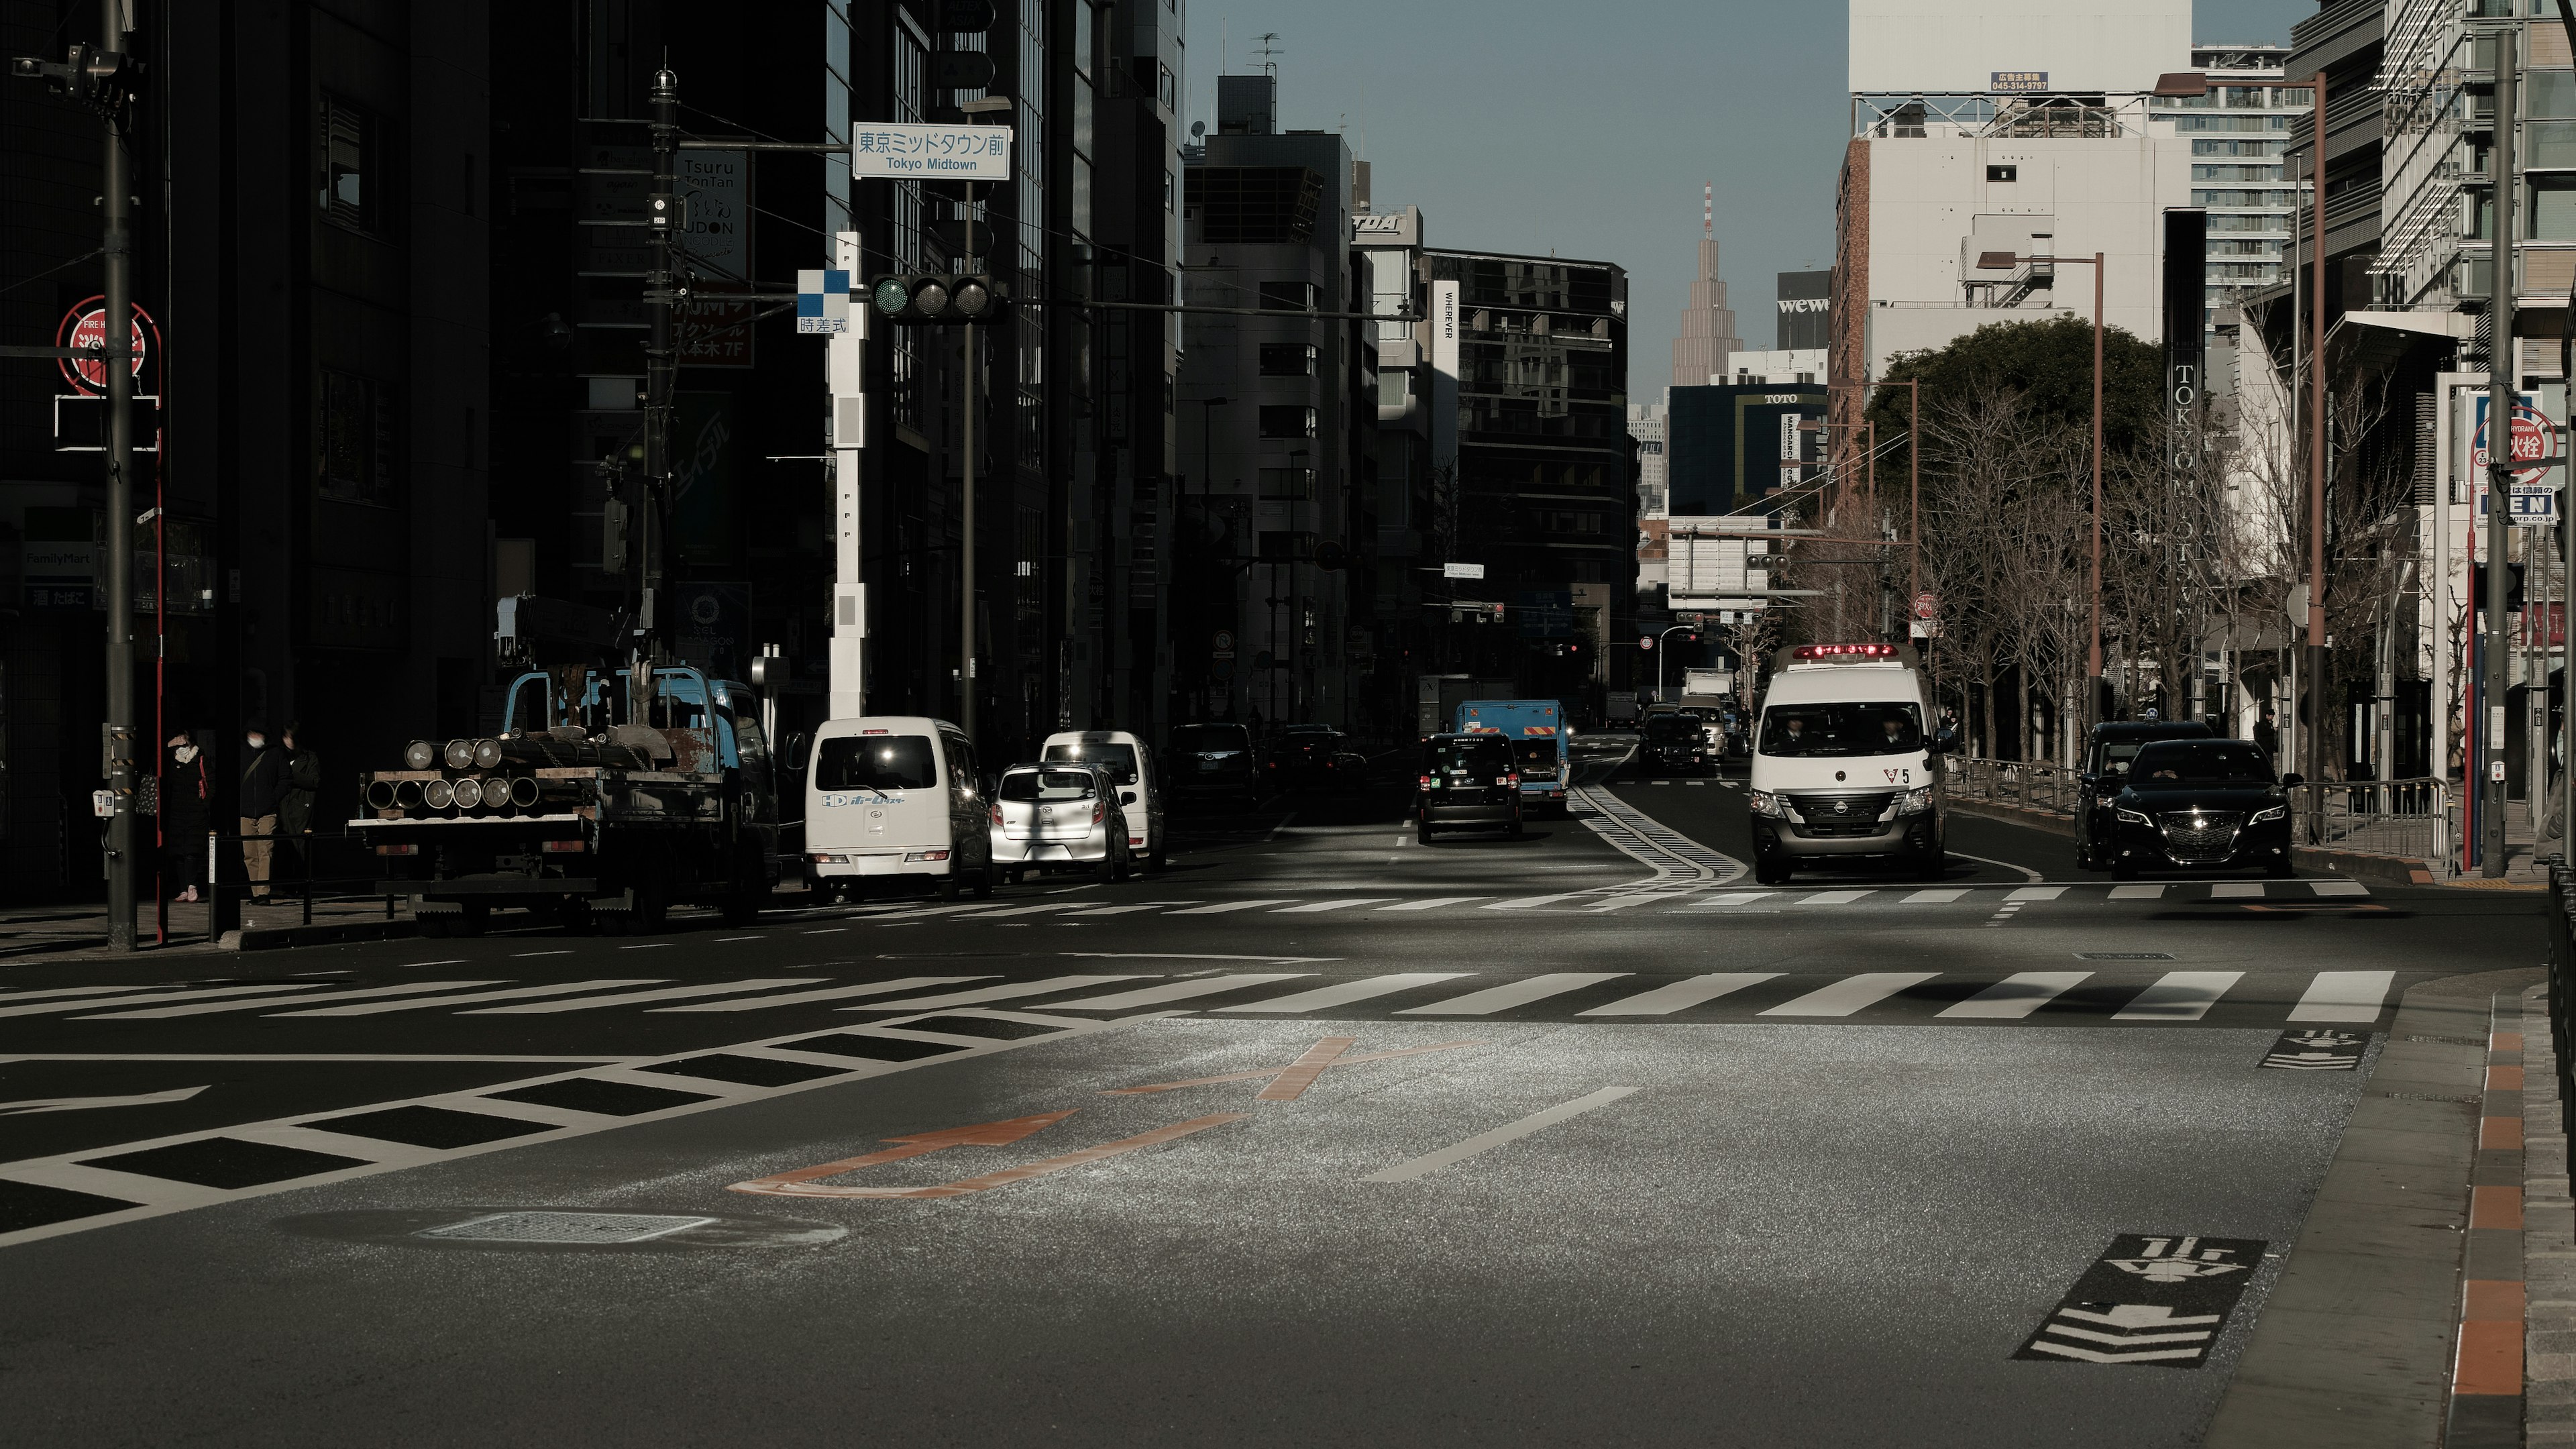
1579, 1137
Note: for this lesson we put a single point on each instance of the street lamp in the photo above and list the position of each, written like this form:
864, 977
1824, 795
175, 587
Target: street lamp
2189, 83
1662, 653
2005, 261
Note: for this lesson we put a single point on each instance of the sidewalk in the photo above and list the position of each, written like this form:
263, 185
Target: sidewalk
2549, 1240
79, 930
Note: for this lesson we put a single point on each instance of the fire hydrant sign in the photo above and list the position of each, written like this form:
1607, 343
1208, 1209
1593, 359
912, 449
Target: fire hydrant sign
906, 151
2534, 442
2155, 1300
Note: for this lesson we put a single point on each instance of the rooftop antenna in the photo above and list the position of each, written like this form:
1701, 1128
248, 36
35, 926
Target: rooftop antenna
1708, 211
1269, 51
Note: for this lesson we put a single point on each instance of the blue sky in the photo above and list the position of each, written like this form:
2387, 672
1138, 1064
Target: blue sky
1587, 130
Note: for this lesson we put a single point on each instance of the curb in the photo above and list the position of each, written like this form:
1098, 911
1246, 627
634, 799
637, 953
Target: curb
277, 938
2486, 1371
2393, 870
2548, 1259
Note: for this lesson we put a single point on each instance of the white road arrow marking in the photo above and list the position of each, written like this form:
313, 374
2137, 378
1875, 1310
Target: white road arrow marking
80, 1104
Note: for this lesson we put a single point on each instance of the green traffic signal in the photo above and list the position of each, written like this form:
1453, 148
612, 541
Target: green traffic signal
892, 296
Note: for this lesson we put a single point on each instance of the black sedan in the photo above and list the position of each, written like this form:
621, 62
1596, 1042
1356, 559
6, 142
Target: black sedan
2106, 768
1675, 744
2201, 805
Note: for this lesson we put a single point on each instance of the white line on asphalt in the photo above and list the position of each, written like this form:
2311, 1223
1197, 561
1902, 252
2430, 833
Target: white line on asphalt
1831, 898
1488, 1141
206, 1008
2137, 893
1123, 910
1513, 993
2036, 893
2017, 995
1434, 901
374, 1008
1332, 905
2338, 888
1934, 898
14, 996
2344, 996
1681, 995
628, 998
1007, 991
1225, 906
417, 965
2179, 996
523, 955
1851, 994
1621, 903
1324, 998
828, 993
1192, 956
2026, 872
1173, 991
1024, 910
1527, 903
1732, 898
650, 946
720, 940
2237, 890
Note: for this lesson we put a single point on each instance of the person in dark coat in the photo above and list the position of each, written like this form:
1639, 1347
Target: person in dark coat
185, 791
2267, 734
263, 786
295, 805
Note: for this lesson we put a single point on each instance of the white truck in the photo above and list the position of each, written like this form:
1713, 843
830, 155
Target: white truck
1846, 769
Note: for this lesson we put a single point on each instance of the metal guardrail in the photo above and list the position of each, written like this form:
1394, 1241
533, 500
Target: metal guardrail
2413, 819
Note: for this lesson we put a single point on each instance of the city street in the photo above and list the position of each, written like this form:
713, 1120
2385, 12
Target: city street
1318, 1133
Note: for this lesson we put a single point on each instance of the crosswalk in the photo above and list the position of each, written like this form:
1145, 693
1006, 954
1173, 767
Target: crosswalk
1655, 898
2127, 995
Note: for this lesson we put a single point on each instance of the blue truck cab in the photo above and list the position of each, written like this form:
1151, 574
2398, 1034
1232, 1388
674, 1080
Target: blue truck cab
1541, 743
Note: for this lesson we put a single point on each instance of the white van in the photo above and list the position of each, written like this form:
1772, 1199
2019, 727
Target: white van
1140, 788
895, 795
1845, 764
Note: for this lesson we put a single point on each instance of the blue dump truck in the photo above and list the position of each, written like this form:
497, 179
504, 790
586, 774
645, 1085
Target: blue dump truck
1540, 742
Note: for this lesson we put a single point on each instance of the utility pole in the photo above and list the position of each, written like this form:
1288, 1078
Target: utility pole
661, 370
101, 77
2500, 404
966, 503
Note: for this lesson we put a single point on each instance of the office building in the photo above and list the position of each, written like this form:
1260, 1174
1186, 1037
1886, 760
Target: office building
1707, 336
2238, 134
1805, 305
1730, 446
1646, 430
1792, 365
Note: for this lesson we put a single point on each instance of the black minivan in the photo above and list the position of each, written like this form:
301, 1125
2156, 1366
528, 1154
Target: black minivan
1212, 762
1468, 781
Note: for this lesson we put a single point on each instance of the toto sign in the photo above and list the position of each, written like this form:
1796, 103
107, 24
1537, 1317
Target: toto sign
85, 326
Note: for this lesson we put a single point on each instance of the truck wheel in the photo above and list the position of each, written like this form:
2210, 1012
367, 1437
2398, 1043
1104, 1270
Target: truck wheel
477, 917
434, 927
573, 914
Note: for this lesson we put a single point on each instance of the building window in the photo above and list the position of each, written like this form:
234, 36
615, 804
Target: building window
1293, 485
2003, 173
1392, 387
350, 142
1287, 359
2553, 208
357, 459
1287, 422
1287, 296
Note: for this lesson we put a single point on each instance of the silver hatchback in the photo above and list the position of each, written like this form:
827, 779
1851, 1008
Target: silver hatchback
1059, 817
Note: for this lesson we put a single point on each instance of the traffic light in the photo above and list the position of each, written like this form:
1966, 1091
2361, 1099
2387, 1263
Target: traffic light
937, 297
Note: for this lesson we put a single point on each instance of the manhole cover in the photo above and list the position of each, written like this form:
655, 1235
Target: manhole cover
564, 1228
2124, 955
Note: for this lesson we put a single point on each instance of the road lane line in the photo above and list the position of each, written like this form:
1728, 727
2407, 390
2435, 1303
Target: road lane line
1934, 898
2344, 996
2137, 892
2338, 888
1324, 998
1333, 905
261, 1003
1525, 903
1119, 910
1681, 995
828, 993
1484, 1142
2017, 995
2179, 996
1175, 991
1621, 903
69, 991
2036, 893
1851, 994
1291, 1084
1022, 911
2026, 872
1224, 906
629, 998
1831, 898
1434, 901
2236, 890
1731, 898
1007, 991
1513, 993
560, 988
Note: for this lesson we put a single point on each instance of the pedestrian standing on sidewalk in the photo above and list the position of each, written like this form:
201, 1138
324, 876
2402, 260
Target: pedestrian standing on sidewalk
2267, 734
295, 805
184, 792
263, 785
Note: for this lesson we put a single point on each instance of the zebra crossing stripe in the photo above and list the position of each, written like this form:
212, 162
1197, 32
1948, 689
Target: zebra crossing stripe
1325, 998
2236, 890
1935, 897
1851, 994
2179, 996
1174, 991
2344, 996
201, 1008
2338, 888
1434, 901
1681, 995
1831, 898
2036, 893
1336, 905
1222, 907
560, 988
1513, 993
2137, 892
982, 995
629, 998
2017, 996
828, 993
1525, 903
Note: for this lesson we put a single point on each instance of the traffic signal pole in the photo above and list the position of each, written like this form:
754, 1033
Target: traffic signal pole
661, 370
2500, 404
117, 370
966, 499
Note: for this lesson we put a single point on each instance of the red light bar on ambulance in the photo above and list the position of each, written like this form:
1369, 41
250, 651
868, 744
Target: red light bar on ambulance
1846, 651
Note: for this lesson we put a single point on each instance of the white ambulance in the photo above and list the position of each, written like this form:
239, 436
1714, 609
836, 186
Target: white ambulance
1846, 769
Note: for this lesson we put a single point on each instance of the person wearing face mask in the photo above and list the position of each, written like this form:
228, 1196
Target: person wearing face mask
263, 785
183, 814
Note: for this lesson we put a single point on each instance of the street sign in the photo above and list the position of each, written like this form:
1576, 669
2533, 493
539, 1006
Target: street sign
905, 151
1927, 604
84, 326
1646, 642
2534, 441
823, 302
2295, 603
2535, 505
1224, 639
1462, 571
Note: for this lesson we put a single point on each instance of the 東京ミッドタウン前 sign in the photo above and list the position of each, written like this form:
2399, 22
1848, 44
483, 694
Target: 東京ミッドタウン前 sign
914, 152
